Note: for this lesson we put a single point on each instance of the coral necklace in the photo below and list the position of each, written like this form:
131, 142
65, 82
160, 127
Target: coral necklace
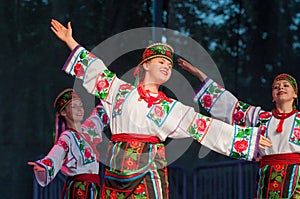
282, 117
147, 97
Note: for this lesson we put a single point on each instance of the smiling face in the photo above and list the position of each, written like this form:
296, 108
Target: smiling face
283, 92
74, 111
157, 71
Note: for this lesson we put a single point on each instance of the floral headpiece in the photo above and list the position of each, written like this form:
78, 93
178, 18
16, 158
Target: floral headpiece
153, 51
288, 78
61, 101
64, 98
158, 50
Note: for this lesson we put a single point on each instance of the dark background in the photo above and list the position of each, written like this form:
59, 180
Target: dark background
250, 42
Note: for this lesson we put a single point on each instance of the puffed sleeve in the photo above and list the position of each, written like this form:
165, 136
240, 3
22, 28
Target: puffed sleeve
53, 161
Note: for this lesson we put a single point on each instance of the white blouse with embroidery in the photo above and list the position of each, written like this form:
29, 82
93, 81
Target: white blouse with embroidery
221, 104
75, 153
129, 114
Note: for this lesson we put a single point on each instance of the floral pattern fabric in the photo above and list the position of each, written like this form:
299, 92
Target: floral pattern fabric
275, 181
132, 114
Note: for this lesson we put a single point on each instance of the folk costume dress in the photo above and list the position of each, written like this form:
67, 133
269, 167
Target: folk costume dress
141, 121
279, 165
76, 156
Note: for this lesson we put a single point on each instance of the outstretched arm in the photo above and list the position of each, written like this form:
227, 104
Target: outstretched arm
63, 33
192, 69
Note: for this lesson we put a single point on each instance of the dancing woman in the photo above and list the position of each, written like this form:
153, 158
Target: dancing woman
142, 117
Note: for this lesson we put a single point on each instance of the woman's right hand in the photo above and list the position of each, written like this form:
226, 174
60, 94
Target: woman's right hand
36, 167
63, 33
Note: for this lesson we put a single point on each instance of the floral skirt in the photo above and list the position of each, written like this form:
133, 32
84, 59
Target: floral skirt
83, 186
135, 169
279, 177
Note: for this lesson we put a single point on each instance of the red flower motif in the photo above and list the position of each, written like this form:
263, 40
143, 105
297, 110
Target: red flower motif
135, 144
201, 124
125, 87
140, 188
102, 84
297, 133
113, 195
77, 136
78, 70
47, 162
147, 53
207, 100
63, 144
265, 115
238, 116
89, 124
130, 164
168, 53
158, 111
278, 167
79, 193
119, 103
241, 145
275, 186
87, 152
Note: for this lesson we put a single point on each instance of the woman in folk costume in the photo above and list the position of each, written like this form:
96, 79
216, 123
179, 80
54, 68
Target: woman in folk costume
142, 117
279, 165
74, 151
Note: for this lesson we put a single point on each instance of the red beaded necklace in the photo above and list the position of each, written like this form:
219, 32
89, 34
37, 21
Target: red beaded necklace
282, 117
145, 95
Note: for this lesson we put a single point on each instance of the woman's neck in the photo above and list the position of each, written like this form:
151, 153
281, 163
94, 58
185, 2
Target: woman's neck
153, 88
284, 108
75, 126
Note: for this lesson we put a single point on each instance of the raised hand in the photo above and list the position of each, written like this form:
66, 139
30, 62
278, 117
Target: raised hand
63, 33
36, 167
191, 69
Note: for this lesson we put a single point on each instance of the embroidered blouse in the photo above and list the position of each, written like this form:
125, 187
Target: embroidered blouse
75, 153
223, 105
169, 118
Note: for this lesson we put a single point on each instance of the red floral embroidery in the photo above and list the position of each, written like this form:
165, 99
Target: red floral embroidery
201, 124
63, 144
78, 70
265, 115
158, 111
147, 53
207, 100
113, 195
119, 103
168, 53
89, 124
275, 186
102, 84
125, 87
87, 153
238, 116
140, 189
47, 162
241, 145
297, 133
278, 167
130, 164
79, 194
135, 144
